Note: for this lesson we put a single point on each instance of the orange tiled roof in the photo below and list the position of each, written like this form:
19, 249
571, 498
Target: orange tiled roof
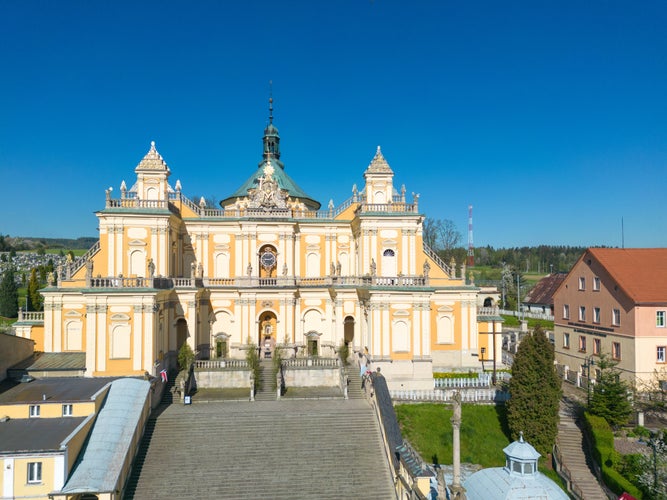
640, 272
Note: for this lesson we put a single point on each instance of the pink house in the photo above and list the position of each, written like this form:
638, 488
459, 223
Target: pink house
614, 301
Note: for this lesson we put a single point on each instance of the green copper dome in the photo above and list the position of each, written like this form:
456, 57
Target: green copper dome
271, 154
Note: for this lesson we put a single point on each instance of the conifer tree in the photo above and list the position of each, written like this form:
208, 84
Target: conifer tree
534, 393
9, 295
611, 395
34, 299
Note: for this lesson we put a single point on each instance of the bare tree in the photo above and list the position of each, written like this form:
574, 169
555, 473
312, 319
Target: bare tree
441, 234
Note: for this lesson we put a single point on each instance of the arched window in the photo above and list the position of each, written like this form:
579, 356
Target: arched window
120, 342
389, 263
137, 263
73, 336
312, 265
222, 265
445, 333
400, 337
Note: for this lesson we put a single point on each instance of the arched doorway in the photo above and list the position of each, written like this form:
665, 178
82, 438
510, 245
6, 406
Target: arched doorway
267, 334
348, 330
181, 333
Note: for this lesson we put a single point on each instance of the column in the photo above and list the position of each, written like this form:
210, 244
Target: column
102, 336
91, 340
137, 335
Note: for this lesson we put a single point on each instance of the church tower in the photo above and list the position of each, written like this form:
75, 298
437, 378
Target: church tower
379, 180
152, 174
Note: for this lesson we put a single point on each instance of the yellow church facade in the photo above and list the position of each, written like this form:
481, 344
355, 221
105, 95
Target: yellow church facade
268, 267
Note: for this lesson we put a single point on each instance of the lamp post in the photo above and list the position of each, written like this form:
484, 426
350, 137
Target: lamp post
588, 362
482, 360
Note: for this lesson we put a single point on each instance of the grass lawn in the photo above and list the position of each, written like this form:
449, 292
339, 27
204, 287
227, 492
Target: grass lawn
484, 432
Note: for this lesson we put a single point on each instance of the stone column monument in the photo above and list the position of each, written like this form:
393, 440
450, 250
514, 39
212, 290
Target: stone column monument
458, 491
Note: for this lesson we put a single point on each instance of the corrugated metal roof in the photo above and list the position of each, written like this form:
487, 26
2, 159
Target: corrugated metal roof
54, 361
100, 463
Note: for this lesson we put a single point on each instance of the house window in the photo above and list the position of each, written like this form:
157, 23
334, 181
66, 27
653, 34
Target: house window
660, 319
596, 284
34, 472
34, 411
582, 313
582, 343
616, 317
596, 315
660, 353
566, 341
616, 350
566, 311
67, 411
597, 344
582, 283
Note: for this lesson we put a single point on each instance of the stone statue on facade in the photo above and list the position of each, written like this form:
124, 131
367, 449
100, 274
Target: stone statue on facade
373, 267
151, 268
249, 269
89, 270
338, 268
285, 270
427, 269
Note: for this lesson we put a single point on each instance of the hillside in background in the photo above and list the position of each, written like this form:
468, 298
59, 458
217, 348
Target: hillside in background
20, 243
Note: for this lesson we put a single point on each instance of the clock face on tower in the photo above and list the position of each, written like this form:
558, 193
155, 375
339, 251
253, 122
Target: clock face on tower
268, 259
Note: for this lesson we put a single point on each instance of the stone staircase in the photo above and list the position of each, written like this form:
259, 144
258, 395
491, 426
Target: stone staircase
574, 456
354, 387
265, 389
324, 449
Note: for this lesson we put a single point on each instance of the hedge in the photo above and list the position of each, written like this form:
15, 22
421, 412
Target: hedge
607, 457
455, 375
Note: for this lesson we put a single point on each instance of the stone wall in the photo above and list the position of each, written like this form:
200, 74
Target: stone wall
311, 376
222, 379
13, 349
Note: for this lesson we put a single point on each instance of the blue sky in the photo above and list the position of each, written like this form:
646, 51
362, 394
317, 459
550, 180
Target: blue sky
549, 117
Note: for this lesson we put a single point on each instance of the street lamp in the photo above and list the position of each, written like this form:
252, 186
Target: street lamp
482, 360
588, 362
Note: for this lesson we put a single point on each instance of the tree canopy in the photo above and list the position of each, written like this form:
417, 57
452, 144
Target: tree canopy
610, 398
534, 393
9, 295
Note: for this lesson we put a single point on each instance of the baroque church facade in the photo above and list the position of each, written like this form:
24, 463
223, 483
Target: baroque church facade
268, 267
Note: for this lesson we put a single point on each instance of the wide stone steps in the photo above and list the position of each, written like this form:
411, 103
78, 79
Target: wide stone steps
354, 387
265, 391
277, 449
570, 441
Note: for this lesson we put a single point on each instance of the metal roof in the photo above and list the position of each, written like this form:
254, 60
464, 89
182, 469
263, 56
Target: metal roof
100, 464
35, 435
54, 390
495, 484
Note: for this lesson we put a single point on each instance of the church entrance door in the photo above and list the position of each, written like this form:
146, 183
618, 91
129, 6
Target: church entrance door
267, 334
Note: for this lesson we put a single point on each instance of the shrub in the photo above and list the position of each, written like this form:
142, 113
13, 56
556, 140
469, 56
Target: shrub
602, 440
252, 358
454, 375
185, 357
344, 353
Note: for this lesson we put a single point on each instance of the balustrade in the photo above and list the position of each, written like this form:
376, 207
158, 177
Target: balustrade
313, 361
30, 315
467, 396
